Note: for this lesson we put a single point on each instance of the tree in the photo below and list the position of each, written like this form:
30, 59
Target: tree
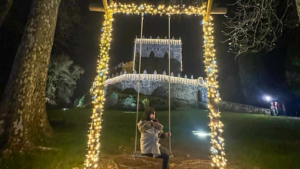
62, 77
4, 8
257, 25
298, 8
81, 102
293, 65
67, 38
23, 118
252, 73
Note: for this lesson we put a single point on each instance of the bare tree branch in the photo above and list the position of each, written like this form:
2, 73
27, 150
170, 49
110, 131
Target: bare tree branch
256, 26
4, 8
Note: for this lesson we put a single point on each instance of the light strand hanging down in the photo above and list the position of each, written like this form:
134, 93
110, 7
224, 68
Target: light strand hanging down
93, 151
216, 126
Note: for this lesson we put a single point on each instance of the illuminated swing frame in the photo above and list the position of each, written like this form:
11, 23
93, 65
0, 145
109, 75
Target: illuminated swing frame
217, 149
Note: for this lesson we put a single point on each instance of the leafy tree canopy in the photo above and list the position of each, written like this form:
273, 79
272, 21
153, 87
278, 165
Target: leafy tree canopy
62, 77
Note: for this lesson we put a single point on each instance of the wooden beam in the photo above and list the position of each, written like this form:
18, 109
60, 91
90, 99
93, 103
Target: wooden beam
99, 8
209, 5
218, 11
105, 4
96, 7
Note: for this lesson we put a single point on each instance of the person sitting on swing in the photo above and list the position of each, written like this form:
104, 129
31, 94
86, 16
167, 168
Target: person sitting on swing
151, 132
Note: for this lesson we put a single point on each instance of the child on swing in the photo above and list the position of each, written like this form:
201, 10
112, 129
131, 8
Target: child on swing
151, 132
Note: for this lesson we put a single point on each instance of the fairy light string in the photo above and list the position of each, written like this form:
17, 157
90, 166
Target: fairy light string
92, 156
159, 10
211, 69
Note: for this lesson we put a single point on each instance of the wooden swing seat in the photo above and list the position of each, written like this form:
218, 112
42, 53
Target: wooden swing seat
138, 154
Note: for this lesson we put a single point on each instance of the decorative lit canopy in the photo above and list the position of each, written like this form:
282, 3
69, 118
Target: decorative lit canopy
217, 149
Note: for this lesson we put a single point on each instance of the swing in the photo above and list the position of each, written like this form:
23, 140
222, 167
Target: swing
136, 153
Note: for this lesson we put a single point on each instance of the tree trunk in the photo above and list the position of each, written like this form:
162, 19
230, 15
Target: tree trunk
23, 118
298, 7
4, 8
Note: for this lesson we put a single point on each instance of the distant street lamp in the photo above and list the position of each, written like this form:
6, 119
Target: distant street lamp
268, 98
201, 134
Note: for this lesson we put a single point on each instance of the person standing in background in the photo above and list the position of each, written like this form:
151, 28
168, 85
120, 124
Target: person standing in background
276, 107
283, 108
272, 109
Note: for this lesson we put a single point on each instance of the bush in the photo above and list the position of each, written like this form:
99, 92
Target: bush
129, 103
81, 102
111, 100
146, 103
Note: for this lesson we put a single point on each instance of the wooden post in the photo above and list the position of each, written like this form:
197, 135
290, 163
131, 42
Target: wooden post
209, 4
216, 126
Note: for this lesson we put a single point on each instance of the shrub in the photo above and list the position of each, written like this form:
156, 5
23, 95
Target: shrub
129, 103
111, 100
146, 103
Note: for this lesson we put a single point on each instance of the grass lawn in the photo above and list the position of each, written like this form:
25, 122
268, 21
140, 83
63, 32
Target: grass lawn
251, 140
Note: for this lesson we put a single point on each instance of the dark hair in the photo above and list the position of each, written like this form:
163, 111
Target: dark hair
147, 113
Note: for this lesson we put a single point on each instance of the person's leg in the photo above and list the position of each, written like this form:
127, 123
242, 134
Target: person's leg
164, 154
272, 112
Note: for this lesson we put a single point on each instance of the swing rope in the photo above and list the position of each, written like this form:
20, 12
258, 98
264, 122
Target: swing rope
138, 96
170, 152
139, 80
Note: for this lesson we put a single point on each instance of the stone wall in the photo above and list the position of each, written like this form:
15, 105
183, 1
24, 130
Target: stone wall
159, 47
242, 108
190, 91
159, 65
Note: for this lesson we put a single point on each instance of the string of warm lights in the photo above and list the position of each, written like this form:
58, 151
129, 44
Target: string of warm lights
217, 149
92, 156
216, 126
161, 9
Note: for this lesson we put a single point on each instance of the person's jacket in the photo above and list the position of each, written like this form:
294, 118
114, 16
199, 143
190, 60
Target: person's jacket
151, 132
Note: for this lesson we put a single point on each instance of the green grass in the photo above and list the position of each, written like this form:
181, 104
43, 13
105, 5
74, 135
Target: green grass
70, 136
251, 140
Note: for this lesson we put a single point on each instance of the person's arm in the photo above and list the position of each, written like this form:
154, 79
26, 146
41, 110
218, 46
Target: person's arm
164, 135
